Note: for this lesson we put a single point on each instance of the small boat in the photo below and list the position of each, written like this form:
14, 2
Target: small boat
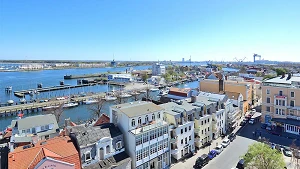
61, 98
143, 91
70, 104
162, 93
124, 95
23, 100
50, 108
135, 93
90, 101
10, 101
154, 89
110, 98
82, 94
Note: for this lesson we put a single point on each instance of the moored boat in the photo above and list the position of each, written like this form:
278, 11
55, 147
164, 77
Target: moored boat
90, 101
70, 104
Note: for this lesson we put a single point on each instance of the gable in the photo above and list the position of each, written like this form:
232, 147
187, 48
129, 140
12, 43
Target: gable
49, 163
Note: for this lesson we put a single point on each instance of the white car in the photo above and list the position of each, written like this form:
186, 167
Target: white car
219, 149
251, 121
225, 143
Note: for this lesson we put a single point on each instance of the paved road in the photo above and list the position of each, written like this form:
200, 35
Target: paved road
230, 155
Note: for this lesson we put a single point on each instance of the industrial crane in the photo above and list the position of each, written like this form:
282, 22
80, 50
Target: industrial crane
256, 56
240, 60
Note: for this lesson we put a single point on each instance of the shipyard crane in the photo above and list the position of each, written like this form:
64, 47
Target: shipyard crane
240, 60
256, 56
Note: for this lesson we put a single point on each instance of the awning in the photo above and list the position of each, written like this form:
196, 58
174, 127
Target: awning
287, 121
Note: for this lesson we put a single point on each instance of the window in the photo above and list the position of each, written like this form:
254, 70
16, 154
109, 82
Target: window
292, 103
160, 145
208, 128
107, 149
33, 130
47, 127
87, 156
153, 116
205, 121
23, 131
46, 137
276, 102
146, 119
139, 121
280, 93
145, 137
185, 129
268, 109
202, 131
268, 100
185, 140
268, 91
283, 102
166, 143
292, 94
158, 115
42, 128
119, 145
181, 141
208, 120
153, 148
190, 127
181, 131
145, 152
139, 155
132, 122
138, 140
28, 131
190, 138
201, 122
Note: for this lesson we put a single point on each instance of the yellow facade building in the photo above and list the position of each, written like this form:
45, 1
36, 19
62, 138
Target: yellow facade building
281, 103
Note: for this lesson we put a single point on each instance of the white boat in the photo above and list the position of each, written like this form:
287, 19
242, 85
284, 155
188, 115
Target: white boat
124, 95
90, 101
10, 101
60, 98
143, 91
70, 104
23, 100
154, 89
135, 93
110, 98
50, 107
162, 93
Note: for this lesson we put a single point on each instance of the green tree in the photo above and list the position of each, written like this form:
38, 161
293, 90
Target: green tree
268, 77
145, 77
167, 77
262, 156
280, 71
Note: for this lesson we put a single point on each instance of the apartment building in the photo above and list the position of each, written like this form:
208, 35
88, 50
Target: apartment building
223, 85
180, 119
158, 69
281, 103
146, 134
32, 129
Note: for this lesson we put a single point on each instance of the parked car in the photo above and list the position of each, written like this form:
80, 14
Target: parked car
219, 149
241, 164
272, 145
264, 126
225, 143
287, 151
231, 137
251, 121
201, 161
243, 123
278, 148
212, 154
268, 128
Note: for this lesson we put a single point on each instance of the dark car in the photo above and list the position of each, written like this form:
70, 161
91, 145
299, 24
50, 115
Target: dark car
231, 137
201, 161
241, 164
212, 154
275, 133
264, 126
243, 123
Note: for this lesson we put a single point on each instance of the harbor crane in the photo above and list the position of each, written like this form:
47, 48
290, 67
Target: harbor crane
240, 60
256, 56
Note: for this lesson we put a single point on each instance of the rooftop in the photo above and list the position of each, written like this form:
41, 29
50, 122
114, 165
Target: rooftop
137, 108
58, 148
284, 80
212, 96
91, 134
102, 120
34, 121
233, 95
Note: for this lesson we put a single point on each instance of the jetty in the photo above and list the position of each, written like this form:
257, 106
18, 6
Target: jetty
68, 77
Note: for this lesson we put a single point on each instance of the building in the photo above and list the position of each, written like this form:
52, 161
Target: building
281, 103
158, 69
100, 147
145, 132
181, 124
125, 78
58, 152
181, 93
183, 60
221, 85
32, 129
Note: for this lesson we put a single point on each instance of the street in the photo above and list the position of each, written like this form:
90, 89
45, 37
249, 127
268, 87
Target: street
231, 155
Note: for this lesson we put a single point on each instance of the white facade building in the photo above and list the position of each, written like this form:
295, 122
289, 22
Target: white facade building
158, 69
182, 130
146, 134
120, 77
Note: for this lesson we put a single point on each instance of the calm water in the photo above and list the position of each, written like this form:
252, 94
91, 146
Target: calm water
29, 80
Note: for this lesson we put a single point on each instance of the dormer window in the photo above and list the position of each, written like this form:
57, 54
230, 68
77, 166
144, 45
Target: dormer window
139, 121
146, 119
158, 115
132, 122
87, 156
153, 116
119, 145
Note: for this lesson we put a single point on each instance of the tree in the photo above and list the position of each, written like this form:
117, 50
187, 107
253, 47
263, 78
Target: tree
262, 156
268, 77
57, 112
280, 71
96, 109
145, 77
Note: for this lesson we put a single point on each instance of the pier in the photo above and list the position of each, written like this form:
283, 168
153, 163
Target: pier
68, 77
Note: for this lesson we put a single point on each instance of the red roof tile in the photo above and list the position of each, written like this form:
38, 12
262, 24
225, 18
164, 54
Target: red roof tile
59, 148
102, 120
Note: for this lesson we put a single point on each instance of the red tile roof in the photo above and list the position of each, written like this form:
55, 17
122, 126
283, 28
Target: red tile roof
179, 91
58, 148
102, 120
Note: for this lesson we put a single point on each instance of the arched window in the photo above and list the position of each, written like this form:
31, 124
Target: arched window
158, 115
132, 122
139, 121
153, 116
107, 149
146, 119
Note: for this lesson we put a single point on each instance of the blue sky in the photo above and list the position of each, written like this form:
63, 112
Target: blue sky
150, 29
